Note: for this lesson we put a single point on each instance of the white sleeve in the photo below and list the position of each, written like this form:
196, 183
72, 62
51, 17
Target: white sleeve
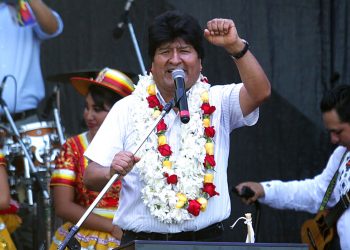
226, 100
304, 195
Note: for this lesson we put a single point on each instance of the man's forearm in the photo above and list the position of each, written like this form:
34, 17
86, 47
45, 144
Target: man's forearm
44, 16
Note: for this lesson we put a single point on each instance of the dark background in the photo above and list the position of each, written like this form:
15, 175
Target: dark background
302, 45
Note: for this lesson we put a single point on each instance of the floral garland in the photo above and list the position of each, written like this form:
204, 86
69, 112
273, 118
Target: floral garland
176, 188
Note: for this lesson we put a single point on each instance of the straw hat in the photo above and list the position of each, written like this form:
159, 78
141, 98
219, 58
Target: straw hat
108, 78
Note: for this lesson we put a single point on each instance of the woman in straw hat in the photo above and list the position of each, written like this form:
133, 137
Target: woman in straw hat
71, 197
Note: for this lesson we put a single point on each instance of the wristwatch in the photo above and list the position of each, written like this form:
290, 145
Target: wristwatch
242, 52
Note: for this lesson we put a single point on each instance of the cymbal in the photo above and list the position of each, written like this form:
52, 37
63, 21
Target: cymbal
64, 77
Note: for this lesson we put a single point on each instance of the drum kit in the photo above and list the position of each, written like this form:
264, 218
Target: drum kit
30, 188
30, 152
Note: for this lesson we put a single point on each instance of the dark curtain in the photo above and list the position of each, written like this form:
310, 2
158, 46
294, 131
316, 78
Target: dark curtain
302, 45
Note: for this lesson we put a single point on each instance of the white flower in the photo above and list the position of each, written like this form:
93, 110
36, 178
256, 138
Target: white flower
157, 194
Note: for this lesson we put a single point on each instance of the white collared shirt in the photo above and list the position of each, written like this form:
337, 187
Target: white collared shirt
115, 135
307, 195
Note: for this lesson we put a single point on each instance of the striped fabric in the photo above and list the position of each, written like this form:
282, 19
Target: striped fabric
69, 171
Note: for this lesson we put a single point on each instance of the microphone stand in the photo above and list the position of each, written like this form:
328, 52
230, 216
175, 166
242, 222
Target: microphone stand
76, 227
136, 46
119, 30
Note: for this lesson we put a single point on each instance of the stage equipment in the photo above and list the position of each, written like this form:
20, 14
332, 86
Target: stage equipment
30, 171
195, 245
118, 31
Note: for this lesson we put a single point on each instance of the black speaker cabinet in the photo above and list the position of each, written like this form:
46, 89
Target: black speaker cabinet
195, 245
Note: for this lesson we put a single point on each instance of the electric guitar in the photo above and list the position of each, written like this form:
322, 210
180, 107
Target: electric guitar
319, 231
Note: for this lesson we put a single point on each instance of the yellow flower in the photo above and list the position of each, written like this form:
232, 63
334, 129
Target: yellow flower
161, 140
180, 204
203, 202
151, 89
205, 97
208, 178
156, 113
167, 164
206, 122
181, 197
209, 148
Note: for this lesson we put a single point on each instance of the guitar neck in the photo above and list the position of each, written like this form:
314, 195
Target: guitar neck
335, 212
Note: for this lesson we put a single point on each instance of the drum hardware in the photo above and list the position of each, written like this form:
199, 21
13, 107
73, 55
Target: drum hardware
24, 148
45, 156
28, 169
37, 143
57, 115
12, 181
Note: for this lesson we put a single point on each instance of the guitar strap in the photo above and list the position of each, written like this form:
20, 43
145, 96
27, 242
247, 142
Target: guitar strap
331, 185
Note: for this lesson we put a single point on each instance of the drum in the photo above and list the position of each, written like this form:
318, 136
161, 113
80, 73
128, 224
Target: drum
41, 141
44, 142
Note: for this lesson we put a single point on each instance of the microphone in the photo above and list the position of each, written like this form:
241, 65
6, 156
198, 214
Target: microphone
180, 94
118, 31
3, 85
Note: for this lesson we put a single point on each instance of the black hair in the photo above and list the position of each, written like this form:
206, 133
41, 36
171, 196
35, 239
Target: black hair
171, 25
339, 99
103, 96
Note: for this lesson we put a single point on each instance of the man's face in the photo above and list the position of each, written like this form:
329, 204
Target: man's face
339, 131
170, 56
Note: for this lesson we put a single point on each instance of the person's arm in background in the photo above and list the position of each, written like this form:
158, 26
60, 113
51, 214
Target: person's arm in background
67, 209
256, 187
64, 192
44, 16
4, 188
256, 89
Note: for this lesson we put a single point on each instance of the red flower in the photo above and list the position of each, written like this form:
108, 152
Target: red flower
209, 131
194, 207
348, 163
161, 126
207, 109
153, 101
165, 150
172, 179
209, 159
209, 188
204, 79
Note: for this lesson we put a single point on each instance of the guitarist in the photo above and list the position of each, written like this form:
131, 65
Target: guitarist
314, 195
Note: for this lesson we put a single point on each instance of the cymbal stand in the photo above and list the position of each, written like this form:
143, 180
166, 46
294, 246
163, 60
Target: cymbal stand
47, 203
56, 114
76, 227
49, 220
